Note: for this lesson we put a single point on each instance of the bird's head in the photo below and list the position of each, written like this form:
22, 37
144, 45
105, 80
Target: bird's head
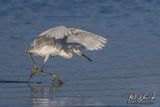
77, 51
28, 51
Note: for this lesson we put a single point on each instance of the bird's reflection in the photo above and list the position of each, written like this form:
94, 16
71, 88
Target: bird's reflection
43, 95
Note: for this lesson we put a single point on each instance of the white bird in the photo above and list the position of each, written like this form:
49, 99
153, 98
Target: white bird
64, 42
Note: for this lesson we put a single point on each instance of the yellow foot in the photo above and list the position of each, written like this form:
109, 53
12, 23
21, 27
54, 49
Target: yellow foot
57, 79
54, 77
33, 72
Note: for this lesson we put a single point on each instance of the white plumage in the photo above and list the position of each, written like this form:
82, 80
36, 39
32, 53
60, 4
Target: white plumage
62, 41
87, 39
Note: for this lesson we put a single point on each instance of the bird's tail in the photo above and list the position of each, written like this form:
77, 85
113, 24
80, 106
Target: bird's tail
29, 50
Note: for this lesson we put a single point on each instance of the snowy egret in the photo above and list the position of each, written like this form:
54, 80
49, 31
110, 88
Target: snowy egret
64, 42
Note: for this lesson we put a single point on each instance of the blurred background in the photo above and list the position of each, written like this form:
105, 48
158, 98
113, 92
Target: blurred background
129, 63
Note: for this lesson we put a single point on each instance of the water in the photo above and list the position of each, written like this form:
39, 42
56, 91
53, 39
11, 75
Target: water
128, 64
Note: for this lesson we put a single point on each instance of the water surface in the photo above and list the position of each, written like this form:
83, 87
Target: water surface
128, 64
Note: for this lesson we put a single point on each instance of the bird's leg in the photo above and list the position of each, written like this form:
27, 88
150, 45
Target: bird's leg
34, 69
45, 60
54, 76
30, 55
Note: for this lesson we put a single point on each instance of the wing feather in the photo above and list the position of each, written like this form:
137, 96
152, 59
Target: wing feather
89, 40
56, 32
76, 36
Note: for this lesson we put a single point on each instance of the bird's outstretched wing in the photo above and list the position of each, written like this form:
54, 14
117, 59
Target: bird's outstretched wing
56, 32
41, 41
51, 37
89, 40
75, 37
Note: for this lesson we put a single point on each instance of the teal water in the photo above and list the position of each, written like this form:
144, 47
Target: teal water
130, 63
